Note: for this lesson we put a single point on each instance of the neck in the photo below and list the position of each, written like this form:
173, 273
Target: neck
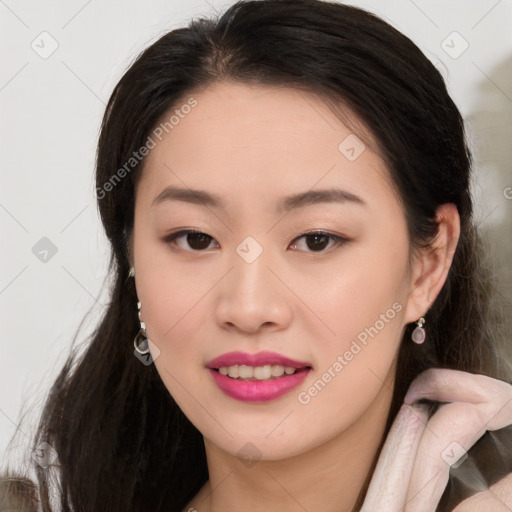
327, 478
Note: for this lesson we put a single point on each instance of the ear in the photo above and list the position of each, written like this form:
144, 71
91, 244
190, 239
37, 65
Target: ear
430, 266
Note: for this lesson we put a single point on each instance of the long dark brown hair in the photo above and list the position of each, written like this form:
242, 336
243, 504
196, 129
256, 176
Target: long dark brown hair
122, 442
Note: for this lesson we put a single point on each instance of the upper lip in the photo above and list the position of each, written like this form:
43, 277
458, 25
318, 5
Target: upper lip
259, 359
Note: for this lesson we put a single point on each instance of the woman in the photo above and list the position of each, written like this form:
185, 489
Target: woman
286, 192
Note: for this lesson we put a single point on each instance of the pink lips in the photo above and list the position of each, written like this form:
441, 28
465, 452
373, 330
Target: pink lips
259, 359
257, 391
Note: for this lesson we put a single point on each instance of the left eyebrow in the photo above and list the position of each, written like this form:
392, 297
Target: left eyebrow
329, 195
300, 200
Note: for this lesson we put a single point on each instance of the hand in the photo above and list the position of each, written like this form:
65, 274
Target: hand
413, 467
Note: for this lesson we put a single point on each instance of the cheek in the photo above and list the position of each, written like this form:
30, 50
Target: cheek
176, 323
175, 309
360, 297
355, 362
167, 290
361, 310
172, 308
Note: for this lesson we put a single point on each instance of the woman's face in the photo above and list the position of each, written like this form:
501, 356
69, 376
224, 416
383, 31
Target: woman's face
254, 283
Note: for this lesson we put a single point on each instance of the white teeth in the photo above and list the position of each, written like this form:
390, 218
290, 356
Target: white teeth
262, 372
276, 370
256, 372
233, 372
245, 372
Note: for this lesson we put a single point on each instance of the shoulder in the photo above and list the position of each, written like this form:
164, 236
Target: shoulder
498, 498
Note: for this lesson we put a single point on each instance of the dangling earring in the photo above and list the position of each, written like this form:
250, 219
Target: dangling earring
141, 342
418, 335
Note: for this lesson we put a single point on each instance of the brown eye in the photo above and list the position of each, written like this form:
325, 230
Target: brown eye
318, 241
195, 240
198, 241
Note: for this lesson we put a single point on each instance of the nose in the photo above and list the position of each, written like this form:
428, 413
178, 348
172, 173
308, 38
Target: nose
253, 297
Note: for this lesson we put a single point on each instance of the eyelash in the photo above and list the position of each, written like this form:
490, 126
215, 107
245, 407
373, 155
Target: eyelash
171, 239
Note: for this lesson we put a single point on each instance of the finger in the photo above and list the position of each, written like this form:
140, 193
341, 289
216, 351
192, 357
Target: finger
455, 386
388, 486
427, 498
445, 440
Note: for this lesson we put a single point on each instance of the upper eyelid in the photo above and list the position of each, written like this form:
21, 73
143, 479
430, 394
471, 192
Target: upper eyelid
183, 232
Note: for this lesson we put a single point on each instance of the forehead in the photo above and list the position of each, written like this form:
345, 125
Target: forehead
252, 140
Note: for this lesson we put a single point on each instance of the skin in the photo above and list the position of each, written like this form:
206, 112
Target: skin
252, 145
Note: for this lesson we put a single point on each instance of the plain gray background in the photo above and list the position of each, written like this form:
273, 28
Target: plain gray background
60, 62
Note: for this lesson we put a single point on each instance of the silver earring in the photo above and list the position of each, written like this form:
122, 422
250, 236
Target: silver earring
418, 335
141, 342
131, 273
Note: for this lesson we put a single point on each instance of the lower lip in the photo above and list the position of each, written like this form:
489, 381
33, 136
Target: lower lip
258, 391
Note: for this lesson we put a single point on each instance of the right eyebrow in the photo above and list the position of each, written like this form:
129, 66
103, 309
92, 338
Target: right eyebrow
188, 195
